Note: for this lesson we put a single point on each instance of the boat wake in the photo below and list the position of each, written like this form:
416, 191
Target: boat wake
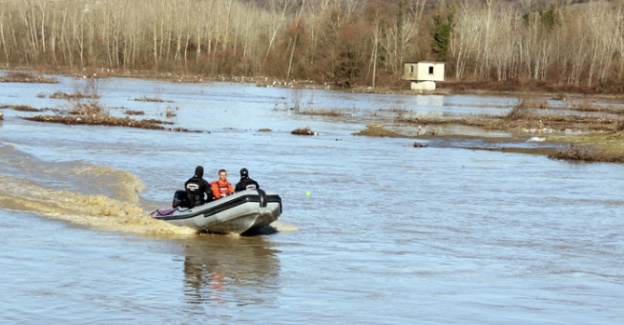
280, 226
76, 192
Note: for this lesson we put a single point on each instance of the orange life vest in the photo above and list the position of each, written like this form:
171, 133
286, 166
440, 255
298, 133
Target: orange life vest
223, 189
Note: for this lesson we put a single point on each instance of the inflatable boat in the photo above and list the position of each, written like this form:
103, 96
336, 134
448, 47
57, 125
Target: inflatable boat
241, 213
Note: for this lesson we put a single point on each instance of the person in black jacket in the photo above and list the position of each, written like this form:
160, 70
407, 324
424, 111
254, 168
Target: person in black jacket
198, 189
245, 182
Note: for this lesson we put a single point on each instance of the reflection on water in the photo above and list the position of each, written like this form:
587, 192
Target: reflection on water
223, 269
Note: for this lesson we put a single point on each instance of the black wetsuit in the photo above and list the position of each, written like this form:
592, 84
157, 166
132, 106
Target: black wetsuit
196, 187
246, 183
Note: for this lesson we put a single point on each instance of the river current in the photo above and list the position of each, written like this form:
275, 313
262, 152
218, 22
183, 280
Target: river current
373, 230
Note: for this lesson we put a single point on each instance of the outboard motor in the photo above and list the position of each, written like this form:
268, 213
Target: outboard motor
180, 199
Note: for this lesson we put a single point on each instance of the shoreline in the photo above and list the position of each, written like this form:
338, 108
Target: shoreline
517, 88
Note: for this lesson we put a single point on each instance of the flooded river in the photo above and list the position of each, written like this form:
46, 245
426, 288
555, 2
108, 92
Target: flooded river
389, 233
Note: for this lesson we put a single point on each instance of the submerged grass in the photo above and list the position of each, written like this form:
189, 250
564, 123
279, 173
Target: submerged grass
321, 112
75, 95
593, 147
133, 112
25, 108
379, 131
151, 99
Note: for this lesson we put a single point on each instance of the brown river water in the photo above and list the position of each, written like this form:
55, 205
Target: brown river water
389, 233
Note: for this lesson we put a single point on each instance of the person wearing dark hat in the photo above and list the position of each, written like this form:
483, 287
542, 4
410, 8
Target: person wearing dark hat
197, 188
245, 182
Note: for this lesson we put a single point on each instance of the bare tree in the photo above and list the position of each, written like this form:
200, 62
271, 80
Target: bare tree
276, 23
577, 43
4, 16
466, 38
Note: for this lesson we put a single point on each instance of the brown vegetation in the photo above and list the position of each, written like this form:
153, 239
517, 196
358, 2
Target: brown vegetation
378, 131
90, 112
512, 44
303, 131
593, 147
22, 108
26, 77
150, 99
598, 138
76, 95
525, 117
525, 122
491, 45
107, 120
605, 146
321, 112
88, 109
132, 112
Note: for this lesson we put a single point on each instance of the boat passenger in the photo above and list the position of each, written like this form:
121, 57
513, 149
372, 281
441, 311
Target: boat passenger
221, 187
245, 182
198, 189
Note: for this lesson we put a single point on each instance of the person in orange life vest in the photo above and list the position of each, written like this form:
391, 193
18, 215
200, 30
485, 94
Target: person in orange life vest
221, 187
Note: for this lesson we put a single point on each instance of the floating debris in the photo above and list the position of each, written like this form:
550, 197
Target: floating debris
303, 131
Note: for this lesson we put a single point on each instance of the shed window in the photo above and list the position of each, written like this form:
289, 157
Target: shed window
430, 69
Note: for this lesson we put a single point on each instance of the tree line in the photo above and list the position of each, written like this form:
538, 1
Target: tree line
349, 42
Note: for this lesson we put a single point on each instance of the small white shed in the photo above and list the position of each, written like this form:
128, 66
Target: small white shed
423, 75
